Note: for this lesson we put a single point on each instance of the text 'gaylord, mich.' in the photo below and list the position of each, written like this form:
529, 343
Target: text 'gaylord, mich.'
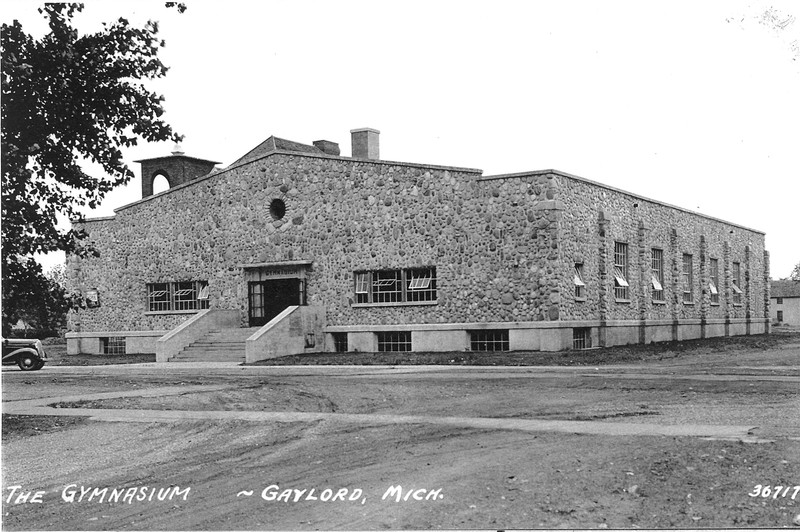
77, 493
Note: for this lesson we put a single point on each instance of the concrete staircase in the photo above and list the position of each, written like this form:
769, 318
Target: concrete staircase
225, 345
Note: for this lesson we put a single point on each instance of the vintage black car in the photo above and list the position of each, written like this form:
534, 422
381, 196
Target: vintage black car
28, 354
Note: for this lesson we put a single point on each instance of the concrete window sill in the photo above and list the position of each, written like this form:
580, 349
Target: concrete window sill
622, 300
659, 301
398, 304
580, 299
165, 312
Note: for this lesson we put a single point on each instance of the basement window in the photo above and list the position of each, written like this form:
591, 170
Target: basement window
581, 338
340, 342
394, 341
489, 340
113, 345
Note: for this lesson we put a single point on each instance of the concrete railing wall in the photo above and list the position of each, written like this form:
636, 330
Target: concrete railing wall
193, 329
296, 330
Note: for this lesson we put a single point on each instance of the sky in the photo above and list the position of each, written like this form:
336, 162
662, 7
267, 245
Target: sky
696, 104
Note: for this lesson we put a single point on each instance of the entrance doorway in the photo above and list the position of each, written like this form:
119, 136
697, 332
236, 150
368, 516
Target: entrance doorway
268, 298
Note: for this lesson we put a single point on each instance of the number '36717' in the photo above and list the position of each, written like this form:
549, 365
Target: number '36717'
774, 491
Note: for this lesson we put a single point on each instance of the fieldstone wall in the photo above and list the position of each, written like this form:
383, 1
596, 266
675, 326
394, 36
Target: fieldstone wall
595, 217
504, 247
516, 275
489, 245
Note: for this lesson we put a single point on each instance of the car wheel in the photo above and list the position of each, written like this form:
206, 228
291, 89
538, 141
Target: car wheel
28, 363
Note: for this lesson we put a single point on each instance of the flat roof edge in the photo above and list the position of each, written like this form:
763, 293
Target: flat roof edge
621, 191
96, 219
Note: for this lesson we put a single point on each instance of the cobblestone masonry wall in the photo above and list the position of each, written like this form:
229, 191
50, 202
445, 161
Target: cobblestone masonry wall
645, 225
504, 248
520, 269
344, 215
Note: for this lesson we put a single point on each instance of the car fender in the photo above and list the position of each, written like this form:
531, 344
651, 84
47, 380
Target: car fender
13, 354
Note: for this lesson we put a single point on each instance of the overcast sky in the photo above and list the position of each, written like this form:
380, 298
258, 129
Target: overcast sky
696, 104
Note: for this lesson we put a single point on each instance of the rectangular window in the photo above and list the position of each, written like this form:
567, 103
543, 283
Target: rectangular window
581, 338
688, 279
177, 296
387, 286
185, 296
780, 301
489, 340
657, 274
713, 282
621, 271
420, 284
395, 286
362, 287
580, 286
113, 345
158, 297
394, 341
339, 342
737, 284
780, 316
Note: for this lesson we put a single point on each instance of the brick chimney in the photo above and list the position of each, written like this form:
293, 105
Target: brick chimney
365, 143
331, 148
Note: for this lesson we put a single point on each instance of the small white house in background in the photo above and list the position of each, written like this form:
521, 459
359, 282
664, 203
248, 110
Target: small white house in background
785, 302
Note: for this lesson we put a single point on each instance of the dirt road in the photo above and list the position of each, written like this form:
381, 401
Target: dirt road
677, 444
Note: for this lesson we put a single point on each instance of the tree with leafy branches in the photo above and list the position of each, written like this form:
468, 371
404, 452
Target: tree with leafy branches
42, 305
68, 98
795, 275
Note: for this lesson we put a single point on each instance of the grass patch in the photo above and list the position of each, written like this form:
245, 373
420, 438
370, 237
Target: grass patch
15, 426
57, 356
589, 357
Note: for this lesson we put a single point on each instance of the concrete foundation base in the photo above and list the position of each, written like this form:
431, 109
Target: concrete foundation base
550, 336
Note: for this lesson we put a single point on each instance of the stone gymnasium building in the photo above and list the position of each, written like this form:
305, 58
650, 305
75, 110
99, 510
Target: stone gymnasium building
296, 249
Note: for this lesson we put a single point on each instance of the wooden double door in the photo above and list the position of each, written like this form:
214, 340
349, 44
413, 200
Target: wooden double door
268, 298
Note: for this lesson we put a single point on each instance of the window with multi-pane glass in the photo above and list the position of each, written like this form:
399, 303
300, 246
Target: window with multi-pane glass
621, 271
408, 285
657, 274
688, 279
736, 285
177, 296
394, 341
713, 281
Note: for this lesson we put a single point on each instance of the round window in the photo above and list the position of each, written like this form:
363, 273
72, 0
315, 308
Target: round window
277, 209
